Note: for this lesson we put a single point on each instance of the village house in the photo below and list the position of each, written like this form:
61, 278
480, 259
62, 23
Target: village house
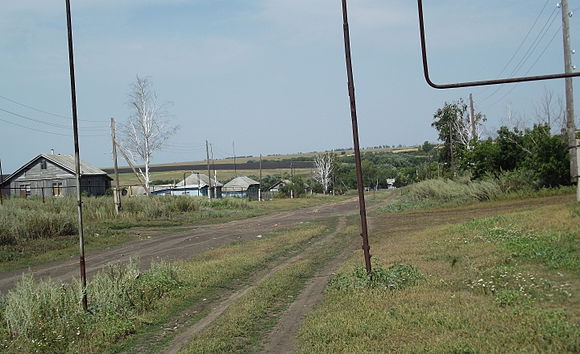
241, 187
54, 176
196, 184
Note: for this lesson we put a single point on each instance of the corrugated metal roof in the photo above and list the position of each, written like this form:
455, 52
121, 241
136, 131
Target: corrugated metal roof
68, 162
238, 184
199, 179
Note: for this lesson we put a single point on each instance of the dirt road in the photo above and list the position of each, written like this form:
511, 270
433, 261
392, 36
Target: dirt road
181, 245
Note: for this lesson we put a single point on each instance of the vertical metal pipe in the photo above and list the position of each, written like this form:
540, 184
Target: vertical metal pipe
77, 155
357, 157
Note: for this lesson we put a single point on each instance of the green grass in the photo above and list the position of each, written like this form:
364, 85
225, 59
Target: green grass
123, 302
446, 193
32, 232
503, 284
243, 326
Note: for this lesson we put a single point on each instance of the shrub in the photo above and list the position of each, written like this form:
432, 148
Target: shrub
48, 317
396, 277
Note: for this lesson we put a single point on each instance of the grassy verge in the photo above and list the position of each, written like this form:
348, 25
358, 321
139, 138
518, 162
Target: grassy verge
445, 193
242, 327
501, 284
32, 232
123, 302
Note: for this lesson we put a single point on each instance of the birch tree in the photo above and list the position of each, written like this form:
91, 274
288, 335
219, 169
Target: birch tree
146, 130
324, 169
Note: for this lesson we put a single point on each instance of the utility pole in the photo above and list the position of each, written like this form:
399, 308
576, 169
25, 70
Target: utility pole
472, 115
292, 180
359, 176
2, 181
77, 154
570, 123
208, 170
259, 189
577, 165
214, 171
116, 190
235, 165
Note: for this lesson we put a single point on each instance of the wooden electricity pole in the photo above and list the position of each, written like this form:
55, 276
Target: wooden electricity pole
260, 188
235, 165
472, 115
570, 123
208, 170
116, 190
1, 182
77, 155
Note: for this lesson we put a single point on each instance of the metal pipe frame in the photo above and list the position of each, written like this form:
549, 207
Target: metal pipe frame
473, 83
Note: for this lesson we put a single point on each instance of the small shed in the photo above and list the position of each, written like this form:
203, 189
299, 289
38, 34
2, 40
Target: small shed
55, 176
196, 185
241, 187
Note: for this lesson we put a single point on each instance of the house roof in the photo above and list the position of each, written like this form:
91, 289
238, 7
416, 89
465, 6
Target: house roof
199, 179
66, 162
281, 182
238, 184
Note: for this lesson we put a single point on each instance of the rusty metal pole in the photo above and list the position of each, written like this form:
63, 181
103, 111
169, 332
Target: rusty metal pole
359, 176
77, 155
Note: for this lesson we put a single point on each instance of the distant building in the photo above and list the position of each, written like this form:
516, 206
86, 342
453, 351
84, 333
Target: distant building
241, 187
275, 188
196, 184
54, 176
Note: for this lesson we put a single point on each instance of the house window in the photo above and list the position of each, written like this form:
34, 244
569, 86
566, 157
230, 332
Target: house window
43, 164
57, 189
25, 190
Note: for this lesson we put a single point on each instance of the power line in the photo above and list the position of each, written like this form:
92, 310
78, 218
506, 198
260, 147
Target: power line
533, 46
532, 66
43, 111
525, 39
45, 131
54, 125
536, 42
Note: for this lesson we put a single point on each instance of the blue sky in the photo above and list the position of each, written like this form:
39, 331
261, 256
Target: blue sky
267, 74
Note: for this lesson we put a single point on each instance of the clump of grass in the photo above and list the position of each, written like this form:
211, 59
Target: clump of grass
44, 316
396, 277
17, 225
444, 192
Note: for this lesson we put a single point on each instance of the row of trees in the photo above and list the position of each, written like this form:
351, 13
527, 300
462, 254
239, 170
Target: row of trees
533, 155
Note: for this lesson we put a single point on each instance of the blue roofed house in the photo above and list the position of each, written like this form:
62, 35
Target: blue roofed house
196, 185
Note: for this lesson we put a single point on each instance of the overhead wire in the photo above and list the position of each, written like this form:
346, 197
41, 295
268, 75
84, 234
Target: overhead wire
533, 46
43, 111
531, 66
524, 39
47, 131
50, 124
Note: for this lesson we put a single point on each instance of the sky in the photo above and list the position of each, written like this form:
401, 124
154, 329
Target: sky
268, 75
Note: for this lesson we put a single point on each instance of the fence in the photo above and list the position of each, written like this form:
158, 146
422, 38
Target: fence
56, 190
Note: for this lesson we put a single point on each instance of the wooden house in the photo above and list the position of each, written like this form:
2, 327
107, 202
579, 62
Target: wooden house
196, 185
241, 187
54, 176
